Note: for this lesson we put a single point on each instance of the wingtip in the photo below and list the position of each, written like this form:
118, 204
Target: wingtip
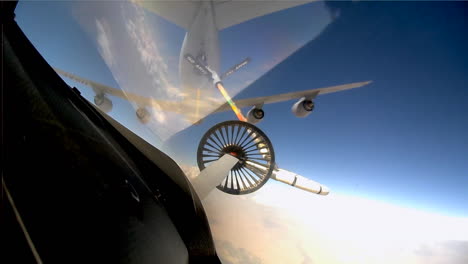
324, 190
59, 71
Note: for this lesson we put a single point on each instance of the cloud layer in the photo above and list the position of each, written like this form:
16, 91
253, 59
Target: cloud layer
279, 224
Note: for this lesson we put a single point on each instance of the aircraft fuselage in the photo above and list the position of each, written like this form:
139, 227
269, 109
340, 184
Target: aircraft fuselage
201, 41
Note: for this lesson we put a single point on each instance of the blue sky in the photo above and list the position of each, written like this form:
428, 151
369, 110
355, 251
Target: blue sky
403, 139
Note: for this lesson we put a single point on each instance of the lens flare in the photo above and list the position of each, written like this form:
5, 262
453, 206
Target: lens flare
236, 110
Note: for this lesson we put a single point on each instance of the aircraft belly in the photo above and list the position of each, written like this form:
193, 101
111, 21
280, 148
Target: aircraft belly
201, 41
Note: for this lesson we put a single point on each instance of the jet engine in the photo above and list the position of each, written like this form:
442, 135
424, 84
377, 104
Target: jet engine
255, 115
303, 107
144, 116
104, 103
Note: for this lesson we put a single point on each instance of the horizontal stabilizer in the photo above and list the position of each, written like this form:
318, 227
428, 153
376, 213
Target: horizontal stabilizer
227, 12
233, 12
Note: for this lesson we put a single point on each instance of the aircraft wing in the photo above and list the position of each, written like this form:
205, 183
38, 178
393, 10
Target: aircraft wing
140, 100
309, 94
228, 13
180, 108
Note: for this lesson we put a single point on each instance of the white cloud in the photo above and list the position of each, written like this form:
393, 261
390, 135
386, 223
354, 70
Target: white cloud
190, 171
230, 254
280, 224
104, 44
141, 34
137, 55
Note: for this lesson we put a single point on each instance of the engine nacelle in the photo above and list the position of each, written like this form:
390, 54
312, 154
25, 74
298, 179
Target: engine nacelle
255, 115
303, 107
144, 116
104, 103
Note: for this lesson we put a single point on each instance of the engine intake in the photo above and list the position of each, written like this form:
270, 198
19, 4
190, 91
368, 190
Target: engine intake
255, 115
303, 107
144, 116
104, 103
